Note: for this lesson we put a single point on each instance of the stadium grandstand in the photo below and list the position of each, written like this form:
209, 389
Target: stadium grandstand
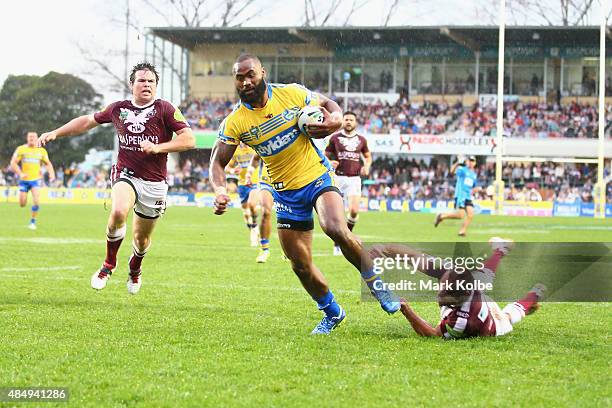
422, 96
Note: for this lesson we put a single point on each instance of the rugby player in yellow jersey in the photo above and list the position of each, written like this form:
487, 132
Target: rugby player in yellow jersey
247, 189
266, 201
266, 119
30, 157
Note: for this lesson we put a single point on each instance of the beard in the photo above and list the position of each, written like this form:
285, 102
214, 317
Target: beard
257, 95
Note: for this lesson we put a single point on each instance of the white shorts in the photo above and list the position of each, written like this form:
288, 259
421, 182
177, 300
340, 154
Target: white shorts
502, 321
150, 196
348, 186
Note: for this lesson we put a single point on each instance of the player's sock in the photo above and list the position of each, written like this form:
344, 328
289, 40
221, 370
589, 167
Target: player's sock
265, 244
35, 209
113, 242
492, 262
370, 277
137, 256
516, 312
522, 307
328, 304
351, 222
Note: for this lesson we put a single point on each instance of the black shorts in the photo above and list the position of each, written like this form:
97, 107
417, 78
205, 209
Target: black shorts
463, 204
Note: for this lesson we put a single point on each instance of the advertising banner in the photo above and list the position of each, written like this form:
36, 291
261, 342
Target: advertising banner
61, 195
518, 208
431, 144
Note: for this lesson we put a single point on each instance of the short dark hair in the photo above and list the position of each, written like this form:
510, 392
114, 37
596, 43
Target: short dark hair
350, 113
246, 56
143, 66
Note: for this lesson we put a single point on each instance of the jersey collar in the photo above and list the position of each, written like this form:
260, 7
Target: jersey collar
249, 107
133, 102
353, 133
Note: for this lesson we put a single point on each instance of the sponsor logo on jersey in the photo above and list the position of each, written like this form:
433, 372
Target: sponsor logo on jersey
131, 142
463, 314
255, 132
277, 143
283, 207
290, 114
136, 121
350, 143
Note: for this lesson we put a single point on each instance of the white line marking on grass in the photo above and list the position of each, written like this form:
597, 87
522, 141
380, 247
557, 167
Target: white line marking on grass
488, 231
363, 236
53, 241
181, 285
581, 227
42, 268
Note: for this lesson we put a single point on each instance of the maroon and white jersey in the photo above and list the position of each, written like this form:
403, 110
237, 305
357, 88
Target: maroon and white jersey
469, 319
348, 151
155, 122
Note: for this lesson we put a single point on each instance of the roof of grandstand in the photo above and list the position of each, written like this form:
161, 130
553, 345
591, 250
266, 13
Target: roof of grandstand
474, 38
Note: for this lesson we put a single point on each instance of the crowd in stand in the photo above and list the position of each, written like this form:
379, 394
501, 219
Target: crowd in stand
206, 113
66, 177
189, 177
531, 120
411, 179
403, 178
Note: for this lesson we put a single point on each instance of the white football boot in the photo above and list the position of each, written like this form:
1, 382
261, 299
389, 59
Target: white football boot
263, 256
134, 282
99, 278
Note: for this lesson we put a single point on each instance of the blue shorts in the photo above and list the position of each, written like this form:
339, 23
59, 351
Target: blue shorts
25, 186
462, 203
294, 207
265, 186
243, 192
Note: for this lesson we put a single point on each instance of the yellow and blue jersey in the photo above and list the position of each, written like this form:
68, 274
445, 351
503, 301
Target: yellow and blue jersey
290, 156
30, 159
242, 159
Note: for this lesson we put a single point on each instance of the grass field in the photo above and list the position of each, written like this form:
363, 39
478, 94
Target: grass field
212, 328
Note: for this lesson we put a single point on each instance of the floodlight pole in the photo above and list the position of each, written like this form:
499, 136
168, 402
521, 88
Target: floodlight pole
600, 186
347, 77
125, 68
499, 183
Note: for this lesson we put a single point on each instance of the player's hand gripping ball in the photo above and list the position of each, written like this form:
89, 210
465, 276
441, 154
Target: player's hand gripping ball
309, 115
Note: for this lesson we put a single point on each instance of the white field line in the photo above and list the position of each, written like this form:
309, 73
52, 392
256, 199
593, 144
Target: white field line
42, 268
53, 241
489, 231
120, 281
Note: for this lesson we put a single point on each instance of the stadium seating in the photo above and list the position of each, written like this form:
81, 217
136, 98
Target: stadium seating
528, 120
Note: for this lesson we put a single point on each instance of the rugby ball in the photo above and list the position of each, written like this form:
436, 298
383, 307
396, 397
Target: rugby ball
309, 115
